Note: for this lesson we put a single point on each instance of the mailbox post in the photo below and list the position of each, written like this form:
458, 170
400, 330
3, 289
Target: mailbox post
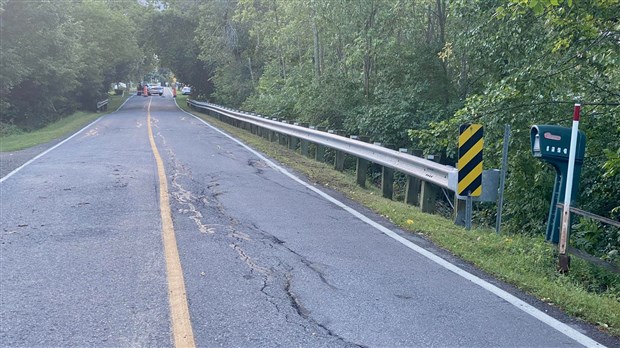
551, 144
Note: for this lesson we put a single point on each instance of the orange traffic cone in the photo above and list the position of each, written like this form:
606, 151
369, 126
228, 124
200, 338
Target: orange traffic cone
145, 91
174, 92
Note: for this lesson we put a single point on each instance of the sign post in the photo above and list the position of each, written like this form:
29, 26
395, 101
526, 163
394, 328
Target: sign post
564, 260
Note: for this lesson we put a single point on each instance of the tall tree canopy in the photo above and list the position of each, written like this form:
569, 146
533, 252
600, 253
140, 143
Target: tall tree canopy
61, 55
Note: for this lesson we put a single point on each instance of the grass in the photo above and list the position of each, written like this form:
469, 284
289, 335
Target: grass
588, 292
61, 128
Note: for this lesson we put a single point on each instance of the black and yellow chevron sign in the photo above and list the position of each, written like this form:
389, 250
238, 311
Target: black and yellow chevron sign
470, 160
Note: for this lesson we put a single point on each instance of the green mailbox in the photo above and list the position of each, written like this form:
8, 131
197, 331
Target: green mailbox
552, 145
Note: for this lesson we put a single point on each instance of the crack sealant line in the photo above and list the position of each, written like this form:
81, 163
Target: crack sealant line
513, 300
57, 145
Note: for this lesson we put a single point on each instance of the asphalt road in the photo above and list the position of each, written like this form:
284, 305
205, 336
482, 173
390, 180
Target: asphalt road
266, 260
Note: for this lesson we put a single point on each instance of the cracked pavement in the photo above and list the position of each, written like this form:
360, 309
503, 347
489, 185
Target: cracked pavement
266, 261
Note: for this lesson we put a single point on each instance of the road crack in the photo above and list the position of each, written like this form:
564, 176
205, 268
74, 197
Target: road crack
304, 313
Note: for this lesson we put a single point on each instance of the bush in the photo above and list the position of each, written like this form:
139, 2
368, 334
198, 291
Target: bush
7, 129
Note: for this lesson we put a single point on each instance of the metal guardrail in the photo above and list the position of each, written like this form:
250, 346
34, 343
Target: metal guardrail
582, 254
441, 175
103, 105
591, 215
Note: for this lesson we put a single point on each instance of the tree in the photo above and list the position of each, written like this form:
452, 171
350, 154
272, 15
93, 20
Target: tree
40, 46
57, 56
172, 37
528, 67
108, 52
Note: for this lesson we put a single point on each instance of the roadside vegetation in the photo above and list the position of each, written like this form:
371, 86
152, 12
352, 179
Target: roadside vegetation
59, 57
528, 262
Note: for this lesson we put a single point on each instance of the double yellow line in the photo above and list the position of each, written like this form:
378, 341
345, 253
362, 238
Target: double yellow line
179, 310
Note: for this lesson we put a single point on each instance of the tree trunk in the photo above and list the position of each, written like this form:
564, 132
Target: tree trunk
368, 54
317, 51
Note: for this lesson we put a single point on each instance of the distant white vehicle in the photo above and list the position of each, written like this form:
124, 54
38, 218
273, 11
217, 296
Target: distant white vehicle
156, 90
186, 90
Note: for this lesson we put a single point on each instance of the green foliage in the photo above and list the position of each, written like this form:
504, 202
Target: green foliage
107, 53
39, 53
57, 56
9, 129
171, 35
530, 68
597, 239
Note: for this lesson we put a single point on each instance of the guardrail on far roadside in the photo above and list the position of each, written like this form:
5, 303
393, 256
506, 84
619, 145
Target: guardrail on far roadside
103, 105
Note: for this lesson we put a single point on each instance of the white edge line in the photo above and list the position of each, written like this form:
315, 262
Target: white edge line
57, 145
125, 102
522, 305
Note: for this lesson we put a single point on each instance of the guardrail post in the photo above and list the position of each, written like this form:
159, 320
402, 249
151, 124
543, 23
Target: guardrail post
412, 188
283, 138
319, 154
459, 211
374, 167
304, 143
293, 141
428, 193
361, 168
387, 180
339, 160
265, 132
339, 156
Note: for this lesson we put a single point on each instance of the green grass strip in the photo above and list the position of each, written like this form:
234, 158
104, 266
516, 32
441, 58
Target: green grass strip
58, 129
588, 292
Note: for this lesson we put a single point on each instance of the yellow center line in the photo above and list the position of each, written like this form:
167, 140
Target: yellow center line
179, 310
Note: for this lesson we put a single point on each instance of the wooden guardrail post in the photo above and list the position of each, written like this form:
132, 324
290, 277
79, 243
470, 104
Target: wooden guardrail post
304, 143
283, 138
339, 156
428, 193
387, 180
262, 131
412, 188
293, 142
319, 154
272, 134
361, 167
